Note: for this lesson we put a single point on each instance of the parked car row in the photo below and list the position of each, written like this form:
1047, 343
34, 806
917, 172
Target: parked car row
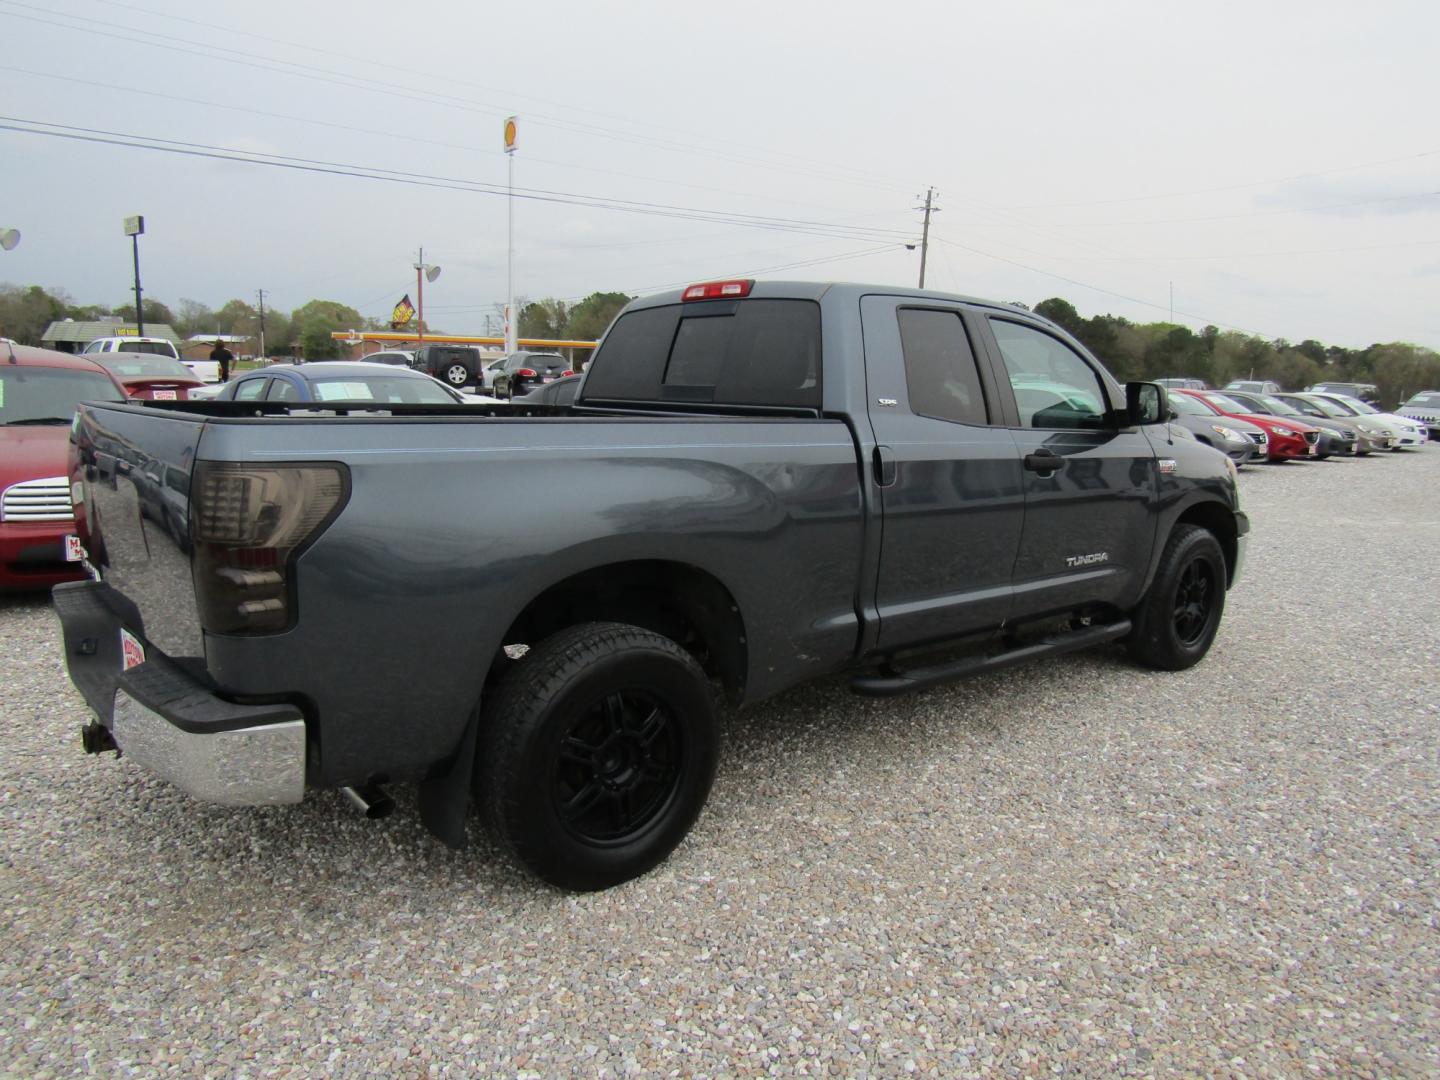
1279, 426
461, 366
339, 382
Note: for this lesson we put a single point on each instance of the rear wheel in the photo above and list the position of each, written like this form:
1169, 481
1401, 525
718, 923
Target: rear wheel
1177, 620
597, 754
457, 375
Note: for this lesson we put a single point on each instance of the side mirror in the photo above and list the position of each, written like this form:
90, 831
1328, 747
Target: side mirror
1145, 404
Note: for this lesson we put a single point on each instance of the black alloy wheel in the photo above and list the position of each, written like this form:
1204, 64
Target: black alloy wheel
596, 754
1194, 597
618, 767
1179, 616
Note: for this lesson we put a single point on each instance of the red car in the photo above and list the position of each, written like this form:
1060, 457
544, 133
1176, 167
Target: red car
148, 376
39, 390
1288, 437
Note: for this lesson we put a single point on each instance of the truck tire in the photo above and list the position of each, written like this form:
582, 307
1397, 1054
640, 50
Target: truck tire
1177, 620
596, 754
457, 375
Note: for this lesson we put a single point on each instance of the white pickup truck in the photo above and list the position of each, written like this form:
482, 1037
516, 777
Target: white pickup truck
205, 370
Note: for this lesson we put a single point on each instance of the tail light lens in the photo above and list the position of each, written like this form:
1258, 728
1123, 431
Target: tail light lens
565, 374
717, 290
249, 524
526, 373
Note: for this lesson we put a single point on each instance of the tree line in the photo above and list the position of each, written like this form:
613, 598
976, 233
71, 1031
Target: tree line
26, 312
1130, 350
1160, 349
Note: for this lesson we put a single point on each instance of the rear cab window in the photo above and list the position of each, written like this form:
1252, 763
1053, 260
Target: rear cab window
750, 352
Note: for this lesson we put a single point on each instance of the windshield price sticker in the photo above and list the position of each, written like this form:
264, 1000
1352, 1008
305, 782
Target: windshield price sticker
132, 653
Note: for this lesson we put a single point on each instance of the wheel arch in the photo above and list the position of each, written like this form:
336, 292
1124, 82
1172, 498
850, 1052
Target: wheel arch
678, 600
1217, 519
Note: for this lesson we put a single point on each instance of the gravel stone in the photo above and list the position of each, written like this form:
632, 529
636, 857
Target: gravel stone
1076, 868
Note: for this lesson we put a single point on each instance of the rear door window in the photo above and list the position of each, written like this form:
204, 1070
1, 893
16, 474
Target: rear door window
940, 373
729, 352
249, 389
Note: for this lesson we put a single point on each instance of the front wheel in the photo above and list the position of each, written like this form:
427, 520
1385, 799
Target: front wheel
457, 375
1179, 616
597, 754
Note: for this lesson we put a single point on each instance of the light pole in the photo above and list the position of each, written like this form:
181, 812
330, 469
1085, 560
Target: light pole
511, 330
134, 226
423, 273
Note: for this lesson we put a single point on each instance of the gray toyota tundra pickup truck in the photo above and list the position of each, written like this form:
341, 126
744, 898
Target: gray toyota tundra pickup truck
536, 608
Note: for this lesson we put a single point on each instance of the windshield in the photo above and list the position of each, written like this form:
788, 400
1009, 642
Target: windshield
1330, 408
1360, 406
145, 365
1186, 405
159, 348
387, 388
38, 395
1226, 404
1280, 408
1427, 401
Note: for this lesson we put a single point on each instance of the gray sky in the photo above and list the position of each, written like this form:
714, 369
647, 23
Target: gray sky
1278, 162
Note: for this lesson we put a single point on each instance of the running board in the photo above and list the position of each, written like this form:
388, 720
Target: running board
902, 682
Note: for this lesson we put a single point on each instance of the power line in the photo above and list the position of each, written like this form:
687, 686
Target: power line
469, 149
110, 31
193, 149
509, 92
1101, 289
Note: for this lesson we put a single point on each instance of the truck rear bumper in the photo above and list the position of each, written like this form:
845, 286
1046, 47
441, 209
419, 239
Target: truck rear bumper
167, 719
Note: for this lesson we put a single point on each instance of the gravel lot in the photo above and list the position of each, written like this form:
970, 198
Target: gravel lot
1077, 868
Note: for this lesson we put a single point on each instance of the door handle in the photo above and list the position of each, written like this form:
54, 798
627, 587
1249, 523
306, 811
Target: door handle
883, 460
1043, 461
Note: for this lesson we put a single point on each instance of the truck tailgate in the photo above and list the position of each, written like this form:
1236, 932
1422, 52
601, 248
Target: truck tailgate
133, 468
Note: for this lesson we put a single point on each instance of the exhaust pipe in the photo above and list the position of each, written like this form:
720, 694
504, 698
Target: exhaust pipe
371, 800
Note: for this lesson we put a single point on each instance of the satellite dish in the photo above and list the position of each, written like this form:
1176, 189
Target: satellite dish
430, 274
9, 238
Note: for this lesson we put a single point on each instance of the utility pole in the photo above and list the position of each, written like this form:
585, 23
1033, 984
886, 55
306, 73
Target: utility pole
423, 273
260, 295
929, 208
420, 297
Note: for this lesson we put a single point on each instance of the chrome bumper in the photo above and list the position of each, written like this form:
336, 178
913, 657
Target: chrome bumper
253, 766
173, 724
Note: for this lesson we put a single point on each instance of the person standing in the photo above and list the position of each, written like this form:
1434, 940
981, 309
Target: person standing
222, 356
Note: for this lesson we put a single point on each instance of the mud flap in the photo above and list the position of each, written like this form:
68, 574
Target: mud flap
445, 796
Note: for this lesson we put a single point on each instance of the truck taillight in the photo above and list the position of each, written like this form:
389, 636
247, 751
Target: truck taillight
249, 523
717, 290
